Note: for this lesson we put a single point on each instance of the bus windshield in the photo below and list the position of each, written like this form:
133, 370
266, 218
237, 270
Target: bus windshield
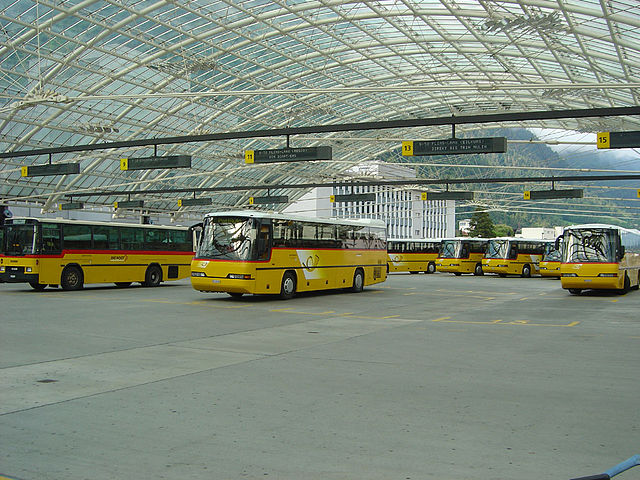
497, 249
450, 249
19, 239
551, 254
227, 238
593, 245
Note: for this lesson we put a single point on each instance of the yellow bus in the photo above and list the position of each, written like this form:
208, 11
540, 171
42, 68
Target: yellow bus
270, 253
412, 255
514, 256
551, 260
72, 253
598, 256
461, 255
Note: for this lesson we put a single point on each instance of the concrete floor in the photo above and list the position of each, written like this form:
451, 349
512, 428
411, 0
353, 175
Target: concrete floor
423, 376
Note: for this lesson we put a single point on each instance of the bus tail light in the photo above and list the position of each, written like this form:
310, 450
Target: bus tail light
607, 274
239, 276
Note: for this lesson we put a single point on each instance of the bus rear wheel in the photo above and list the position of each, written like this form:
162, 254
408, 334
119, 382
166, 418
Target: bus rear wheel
153, 277
526, 271
358, 281
72, 278
478, 270
431, 268
288, 286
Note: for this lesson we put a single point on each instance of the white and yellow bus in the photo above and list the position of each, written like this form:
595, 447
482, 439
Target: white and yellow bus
256, 252
461, 255
551, 260
412, 255
598, 256
71, 253
514, 256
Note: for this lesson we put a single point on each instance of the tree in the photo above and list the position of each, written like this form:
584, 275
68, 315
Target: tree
502, 230
481, 224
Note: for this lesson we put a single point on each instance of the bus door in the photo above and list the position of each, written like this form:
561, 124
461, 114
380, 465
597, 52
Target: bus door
263, 237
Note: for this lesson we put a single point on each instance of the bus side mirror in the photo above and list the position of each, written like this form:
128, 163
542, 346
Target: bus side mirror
621, 252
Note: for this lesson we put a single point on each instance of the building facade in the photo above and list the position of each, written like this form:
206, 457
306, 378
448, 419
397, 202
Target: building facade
403, 210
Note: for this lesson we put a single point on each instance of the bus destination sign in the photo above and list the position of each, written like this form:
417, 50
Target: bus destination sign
288, 155
454, 146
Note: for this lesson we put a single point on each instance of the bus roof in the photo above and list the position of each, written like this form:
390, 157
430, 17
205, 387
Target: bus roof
362, 222
414, 240
604, 226
521, 239
22, 220
474, 239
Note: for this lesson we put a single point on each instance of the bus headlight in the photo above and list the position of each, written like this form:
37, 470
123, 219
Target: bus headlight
198, 274
239, 276
607, 274
569, 274
28, 269
502, 266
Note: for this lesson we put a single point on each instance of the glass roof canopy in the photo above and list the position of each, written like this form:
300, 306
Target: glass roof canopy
78, 72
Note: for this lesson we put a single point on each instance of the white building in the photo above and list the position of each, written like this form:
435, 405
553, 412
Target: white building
406, 215
541, 233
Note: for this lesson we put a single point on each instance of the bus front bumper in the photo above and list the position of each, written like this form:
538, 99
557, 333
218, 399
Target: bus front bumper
228, 285
17, 275
550, 269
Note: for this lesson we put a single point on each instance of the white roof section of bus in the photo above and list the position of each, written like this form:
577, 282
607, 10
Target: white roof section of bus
16, 220
363, 222
79, 72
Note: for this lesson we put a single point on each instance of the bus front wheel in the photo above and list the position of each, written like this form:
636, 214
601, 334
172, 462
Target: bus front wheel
575, 291
288, 287
38, 286
153, 277
72, 278
627, 285
431, 268
358, 281
478, 270
526, 271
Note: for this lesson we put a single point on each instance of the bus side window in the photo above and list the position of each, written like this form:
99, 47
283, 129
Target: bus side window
50, 238
513, 254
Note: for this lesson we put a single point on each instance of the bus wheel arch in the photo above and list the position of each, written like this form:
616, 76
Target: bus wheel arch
358, 280
72, 277
288, 285
526, 271
153, 275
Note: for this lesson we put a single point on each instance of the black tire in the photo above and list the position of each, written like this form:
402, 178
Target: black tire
526, 271
358, 281
72, 278
123, 284
478, 270
153, 276
457, 274
431, 268
288, 286
235, 294
38, 286
414, 272
502, 275
575, 291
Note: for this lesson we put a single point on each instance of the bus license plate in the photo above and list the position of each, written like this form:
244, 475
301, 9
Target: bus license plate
216, 281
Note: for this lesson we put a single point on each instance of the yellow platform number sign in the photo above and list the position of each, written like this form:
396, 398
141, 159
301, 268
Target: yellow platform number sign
527, 195
407, 148
604, 140
248, 156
